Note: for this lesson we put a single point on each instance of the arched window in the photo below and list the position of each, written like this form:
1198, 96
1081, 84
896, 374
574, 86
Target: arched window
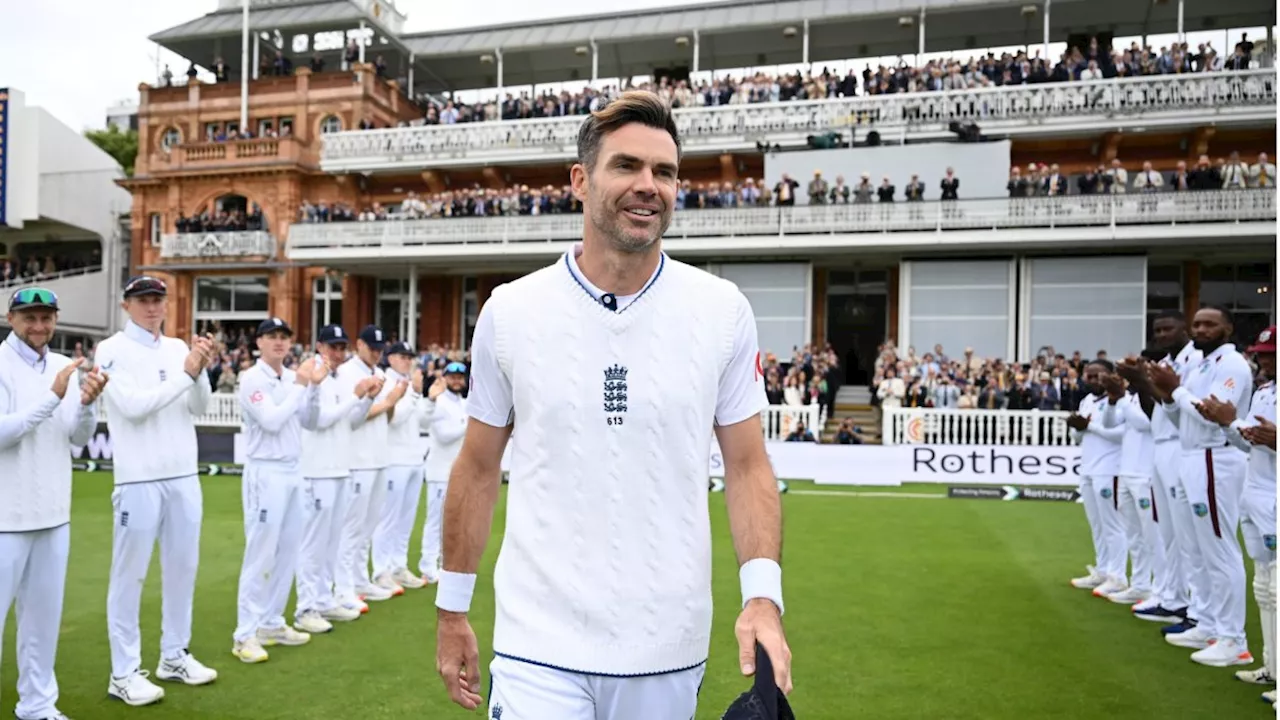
171, 137
331, 124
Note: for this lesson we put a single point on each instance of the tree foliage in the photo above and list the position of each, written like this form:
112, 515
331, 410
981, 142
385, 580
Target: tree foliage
123, 146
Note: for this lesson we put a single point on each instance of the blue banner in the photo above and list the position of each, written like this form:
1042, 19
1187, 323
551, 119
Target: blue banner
4, 154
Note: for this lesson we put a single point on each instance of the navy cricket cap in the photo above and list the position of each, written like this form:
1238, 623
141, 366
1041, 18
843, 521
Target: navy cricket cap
764, 701
273, 324
373, 336
333, 335
401, 348
145, 285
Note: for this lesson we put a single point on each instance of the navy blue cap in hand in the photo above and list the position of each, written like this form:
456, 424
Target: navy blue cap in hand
764, 701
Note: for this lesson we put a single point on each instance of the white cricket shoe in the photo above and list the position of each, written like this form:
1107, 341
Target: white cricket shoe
1197, 637
312, 622
388, 583
1088, 582
186, 669
1130, 596
1261, 676
1111, 586
341, 613
373, 593
1150, 603
431, 578
135, 689
249, 651
282, 636
407, 580
1223, 652
1270, 696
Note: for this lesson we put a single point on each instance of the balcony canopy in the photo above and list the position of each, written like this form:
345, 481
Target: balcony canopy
735, 34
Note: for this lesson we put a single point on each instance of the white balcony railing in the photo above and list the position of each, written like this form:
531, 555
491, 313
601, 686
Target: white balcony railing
217, 244
223, 412
1175, 100
931, 426
997, 214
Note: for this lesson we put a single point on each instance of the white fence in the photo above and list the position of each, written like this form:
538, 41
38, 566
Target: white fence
778, 420
1175, 100
217, 244
769, 223
930, 426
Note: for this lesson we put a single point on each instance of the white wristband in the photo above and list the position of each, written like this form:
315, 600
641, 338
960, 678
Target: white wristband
761, 578
455, 590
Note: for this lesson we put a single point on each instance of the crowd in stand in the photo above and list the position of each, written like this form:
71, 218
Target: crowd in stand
37, 266
222, 221
1092, 63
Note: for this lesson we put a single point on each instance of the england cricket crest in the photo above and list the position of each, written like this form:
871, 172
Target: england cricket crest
615, 393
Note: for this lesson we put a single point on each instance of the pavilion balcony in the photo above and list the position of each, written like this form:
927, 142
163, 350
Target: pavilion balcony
214, 245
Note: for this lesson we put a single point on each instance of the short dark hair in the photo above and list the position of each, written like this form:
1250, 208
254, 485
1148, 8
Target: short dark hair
1226, 314
633, 106
1172, 315
1103, 363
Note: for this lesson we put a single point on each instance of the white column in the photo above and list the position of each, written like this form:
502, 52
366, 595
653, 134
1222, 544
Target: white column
595, 62
244, 68
805, 48
257, 55
1182, 36
328, 288
411, 333
411, 62
1046, 30
497, 53
920, 39
361, 41
697, 50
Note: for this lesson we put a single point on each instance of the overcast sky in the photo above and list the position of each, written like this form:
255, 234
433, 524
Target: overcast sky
76, 58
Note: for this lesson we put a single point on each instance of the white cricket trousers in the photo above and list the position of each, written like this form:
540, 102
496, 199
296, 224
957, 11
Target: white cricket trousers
520, 690
1214, 479
1146, 549
364, 491
1112, 546
1258, 525
274, 519
33, 572
1173, 520
395, 523
429, 562
168, 511
318, 553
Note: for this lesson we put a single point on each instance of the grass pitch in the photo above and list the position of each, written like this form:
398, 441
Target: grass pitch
897, 607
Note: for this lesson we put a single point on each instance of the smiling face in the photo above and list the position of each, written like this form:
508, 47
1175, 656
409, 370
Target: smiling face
35, 326
630, 193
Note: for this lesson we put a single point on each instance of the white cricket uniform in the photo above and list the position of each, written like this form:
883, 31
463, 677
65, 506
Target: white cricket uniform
403, 482
447, 418
1100, 446
1212, 474
151, 405
273, 408
326, 468
1138, 502
1258, 515
605, 569
1184, 566
365, 489
37, 433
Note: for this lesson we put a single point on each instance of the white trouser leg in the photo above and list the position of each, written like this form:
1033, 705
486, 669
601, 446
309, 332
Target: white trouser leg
358, 488
377, 500
268, 490
286, 564
1189, 547
136, 511
1214, 480
332, 559
1090, 501
408, 514
384, 533
315, 555
1258, 526
1171, 576
1145, 548
33, 573
180, 522
429, 563
1112, 544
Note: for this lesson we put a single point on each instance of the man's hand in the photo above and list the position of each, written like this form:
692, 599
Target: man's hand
376, 388
1216, 411
318, 370
458, 658
91, 386
398, 391
1264, 433
207, 348
1134, 371
416, 378
1114, 385
364, 388
437, 388
196, 360
1163, 378
1077, 422
64, 376
761, 621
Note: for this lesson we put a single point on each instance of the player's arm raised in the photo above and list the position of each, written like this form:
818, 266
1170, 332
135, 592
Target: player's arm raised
200, 395
751, 495
468, 514
15, 425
